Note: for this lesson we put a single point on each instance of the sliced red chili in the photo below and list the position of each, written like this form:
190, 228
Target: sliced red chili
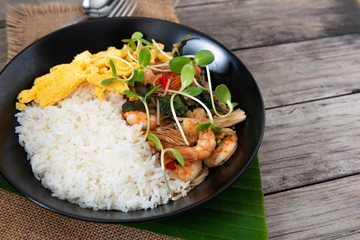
172, 75
170, 165
163, 81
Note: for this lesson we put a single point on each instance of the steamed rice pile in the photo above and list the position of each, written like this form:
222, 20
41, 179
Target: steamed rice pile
83, 151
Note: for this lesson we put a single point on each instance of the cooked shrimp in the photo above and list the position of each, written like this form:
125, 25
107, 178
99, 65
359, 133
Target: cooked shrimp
139, 117
189, 127
225, 149
197, 113
149, 77
188, 172
205, 145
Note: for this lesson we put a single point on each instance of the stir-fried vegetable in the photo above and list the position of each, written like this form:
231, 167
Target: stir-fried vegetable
172, 103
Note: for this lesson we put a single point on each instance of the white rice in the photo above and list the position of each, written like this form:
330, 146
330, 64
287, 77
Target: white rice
83, 151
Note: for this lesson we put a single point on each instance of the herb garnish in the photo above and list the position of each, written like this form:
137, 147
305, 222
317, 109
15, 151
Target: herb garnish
114, 73
158, 145
184, 66
143, 99
135, 40
137, 75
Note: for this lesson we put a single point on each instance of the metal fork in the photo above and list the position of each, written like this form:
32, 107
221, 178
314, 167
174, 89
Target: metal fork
112, 8
124, 8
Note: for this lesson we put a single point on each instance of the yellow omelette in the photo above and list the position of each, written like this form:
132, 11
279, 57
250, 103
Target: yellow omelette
64, 79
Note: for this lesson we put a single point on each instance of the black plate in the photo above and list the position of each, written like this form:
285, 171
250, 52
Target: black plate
61, 47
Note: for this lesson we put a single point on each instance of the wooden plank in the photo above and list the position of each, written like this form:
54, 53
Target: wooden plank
328, 210
310, 142
3, 48
187, 3
304, 71
244, 20
250, 23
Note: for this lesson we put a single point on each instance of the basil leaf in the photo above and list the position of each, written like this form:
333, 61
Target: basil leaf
152, 137
202, 126
137, 35
187, 76
133, 106
234, 104
179, 106
126, 40
193, 91
204, 96
140, 89
178, 47
132, 94
222, 93
144, 57
204, 57
176, 64
177, 155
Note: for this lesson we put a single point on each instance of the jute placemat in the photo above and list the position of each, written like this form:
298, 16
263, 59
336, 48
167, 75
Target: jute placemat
21, 218
25, 23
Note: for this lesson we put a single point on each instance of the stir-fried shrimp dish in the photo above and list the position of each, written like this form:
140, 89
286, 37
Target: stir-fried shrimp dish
183, 121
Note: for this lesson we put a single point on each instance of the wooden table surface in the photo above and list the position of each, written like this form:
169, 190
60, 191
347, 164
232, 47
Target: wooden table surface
305, 57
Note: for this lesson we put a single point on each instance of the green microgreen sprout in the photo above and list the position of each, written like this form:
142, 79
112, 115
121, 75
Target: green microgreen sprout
188, 94
160, 50
157, 143
176, 64
136, 75
204, 57
223, 94
136, 39
144, 60
143, 99
114, 72
185, 67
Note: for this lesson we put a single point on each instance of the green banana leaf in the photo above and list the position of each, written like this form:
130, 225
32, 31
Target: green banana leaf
6, 186
238, 213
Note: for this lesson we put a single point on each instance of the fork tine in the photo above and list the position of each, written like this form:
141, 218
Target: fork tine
116, 8
132, 9
127, 8
122, 9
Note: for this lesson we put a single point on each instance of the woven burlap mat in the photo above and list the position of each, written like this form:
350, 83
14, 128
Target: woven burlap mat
25, 23
21, 218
